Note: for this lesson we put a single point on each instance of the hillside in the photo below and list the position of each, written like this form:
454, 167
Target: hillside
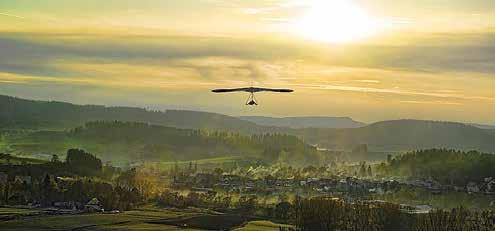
305, 122
397, 135
18, 113
15, 160
126, 141
483, 126
446, 166
401, 135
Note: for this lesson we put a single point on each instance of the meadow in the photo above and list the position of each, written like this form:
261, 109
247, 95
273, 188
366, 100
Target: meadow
141, 219
208, 163
262, 226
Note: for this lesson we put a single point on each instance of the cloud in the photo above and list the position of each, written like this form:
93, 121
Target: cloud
431, 74
12, 15
400, 74
255, 11
9, 81
431, 102
367, 80
20, 54
397, 91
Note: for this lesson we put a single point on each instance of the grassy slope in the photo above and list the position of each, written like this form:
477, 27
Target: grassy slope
135, 220
20, 160
16, 211
139, 227
398, 135
262, 226
132, 220
27, 146
202, 163
124, 142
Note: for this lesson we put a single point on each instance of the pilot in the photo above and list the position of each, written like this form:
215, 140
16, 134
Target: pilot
252, 103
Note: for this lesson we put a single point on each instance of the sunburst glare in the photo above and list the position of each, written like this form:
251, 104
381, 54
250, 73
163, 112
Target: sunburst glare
335, 21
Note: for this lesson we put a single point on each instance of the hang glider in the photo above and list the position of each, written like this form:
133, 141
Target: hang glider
251, 101
251, 90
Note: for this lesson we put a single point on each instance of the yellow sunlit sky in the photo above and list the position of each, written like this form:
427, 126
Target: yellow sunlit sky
371, 60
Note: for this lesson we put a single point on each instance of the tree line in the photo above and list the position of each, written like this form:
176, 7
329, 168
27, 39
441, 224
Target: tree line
77, 180
444, 165
324, 214
152, 142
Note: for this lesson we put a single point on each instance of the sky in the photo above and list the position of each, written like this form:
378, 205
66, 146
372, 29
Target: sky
371, 60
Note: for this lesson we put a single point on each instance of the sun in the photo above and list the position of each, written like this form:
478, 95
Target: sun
335, 21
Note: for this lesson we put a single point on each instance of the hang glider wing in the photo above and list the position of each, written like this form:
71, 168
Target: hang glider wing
251, 90
276, 90
230, 90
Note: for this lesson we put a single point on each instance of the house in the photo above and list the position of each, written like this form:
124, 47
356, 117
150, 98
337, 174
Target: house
93, 206
472, 187
418, 209
423, 208
490, 186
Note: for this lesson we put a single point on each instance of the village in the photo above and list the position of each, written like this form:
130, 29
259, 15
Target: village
348, 188
341, 183
17, 198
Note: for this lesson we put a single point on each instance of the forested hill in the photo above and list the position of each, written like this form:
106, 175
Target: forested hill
30, 114
400, 135
305, 122
397, 135
124, 141
447, 166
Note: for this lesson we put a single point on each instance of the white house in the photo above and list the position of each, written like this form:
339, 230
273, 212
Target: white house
490, 186
93, 206
472, 187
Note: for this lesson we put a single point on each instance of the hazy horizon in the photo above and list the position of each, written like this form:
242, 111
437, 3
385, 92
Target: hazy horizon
164, 108
430, 60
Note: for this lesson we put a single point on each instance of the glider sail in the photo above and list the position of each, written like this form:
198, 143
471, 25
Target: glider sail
252, 90
252, 100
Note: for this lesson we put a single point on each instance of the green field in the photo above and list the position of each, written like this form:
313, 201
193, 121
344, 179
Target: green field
203, 163
139, 227
20, 160
145, 218
28, 147
132, 220
262, 226
217, 160
8, 212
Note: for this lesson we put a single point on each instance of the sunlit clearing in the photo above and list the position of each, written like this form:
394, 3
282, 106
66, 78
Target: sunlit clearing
336, 21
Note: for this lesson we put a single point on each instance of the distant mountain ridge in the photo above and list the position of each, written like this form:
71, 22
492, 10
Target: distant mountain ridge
394, 135
483, 126
305, 122
400, 135
32, 114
